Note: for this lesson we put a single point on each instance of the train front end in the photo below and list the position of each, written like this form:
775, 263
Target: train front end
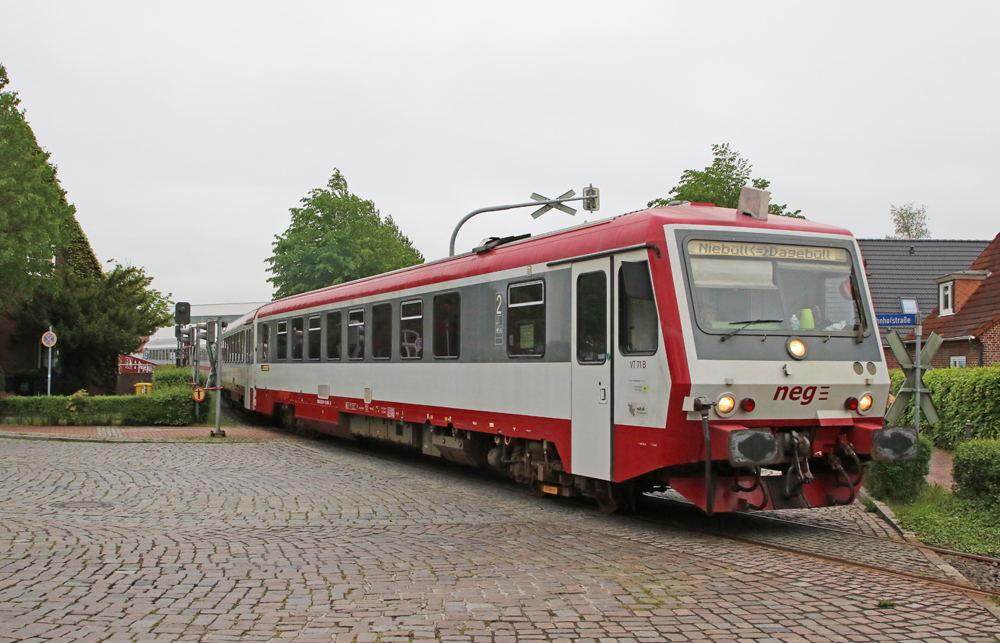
788, 381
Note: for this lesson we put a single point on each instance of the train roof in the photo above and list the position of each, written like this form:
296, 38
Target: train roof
634, 228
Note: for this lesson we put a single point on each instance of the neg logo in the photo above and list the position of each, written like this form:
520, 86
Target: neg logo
802, 395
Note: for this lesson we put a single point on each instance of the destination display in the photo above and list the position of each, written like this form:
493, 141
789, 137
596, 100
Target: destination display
747, 250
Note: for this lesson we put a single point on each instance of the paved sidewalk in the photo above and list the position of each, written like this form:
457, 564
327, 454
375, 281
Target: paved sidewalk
941, 463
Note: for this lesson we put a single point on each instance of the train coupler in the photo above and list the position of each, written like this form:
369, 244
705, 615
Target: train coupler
835, 461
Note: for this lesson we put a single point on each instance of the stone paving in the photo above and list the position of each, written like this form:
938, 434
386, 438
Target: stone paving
291, 540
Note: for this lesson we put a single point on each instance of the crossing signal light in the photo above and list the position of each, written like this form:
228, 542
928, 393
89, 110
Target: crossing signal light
593, 201
182, 313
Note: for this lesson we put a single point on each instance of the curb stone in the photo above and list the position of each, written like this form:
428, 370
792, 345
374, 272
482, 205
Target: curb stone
887, 515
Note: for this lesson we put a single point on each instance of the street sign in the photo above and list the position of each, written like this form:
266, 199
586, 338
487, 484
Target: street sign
899, 319
48, 339
914, 378
198, 394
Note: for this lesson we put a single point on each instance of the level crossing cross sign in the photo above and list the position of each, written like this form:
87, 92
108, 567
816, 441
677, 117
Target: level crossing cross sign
914, 379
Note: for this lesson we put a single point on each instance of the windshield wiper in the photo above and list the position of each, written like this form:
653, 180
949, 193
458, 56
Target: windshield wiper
750, 322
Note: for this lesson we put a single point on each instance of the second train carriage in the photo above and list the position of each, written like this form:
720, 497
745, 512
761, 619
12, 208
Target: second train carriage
731, 357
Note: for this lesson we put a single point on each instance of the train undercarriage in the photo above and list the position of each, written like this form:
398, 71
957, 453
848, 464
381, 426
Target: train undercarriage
797, 477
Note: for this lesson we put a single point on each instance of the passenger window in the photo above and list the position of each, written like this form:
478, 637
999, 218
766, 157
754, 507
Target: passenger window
411, 329
297, 337
315, 339
333, 335
526, 319
592, 318
447, 322
382, 331
637, 319
264, 338
282, 340
356, 334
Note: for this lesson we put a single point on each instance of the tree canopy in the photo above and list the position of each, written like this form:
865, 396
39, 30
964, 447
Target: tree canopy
96, 319
336, 237
909, 221
720, 183
34, 214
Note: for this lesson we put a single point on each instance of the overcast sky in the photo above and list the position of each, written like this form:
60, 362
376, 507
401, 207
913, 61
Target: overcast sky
184, 131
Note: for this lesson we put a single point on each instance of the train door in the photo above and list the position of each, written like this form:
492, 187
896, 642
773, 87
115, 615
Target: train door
592, 418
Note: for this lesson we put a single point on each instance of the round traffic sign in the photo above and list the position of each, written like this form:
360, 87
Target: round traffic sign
198, 394
48, 339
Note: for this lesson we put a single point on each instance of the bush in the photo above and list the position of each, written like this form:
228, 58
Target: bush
170, 406
168, 376
977, 472
959, 394
900, 481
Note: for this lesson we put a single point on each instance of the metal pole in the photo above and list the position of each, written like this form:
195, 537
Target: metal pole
919, 382
48, 386
454, 234
196, 361
218, 379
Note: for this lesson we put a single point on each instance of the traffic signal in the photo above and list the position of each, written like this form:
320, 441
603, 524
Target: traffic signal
202, 331
184, 334
182, 313
213, 332
593, 201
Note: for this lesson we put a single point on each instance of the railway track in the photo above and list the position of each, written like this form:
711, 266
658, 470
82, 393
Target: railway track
896, 558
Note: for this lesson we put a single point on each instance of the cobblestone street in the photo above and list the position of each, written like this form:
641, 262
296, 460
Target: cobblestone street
299, 540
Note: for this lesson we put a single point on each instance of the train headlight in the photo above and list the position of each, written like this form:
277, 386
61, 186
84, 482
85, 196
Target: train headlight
725, 405
795, 347
865, 403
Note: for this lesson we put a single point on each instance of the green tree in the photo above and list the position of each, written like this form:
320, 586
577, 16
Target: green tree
336, 237
97, 318
720, 183
910, 222
34, 214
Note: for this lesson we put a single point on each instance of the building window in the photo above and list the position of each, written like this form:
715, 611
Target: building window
638, 330
382, 331
356, 334
315, 339
946, 301
333, 336
282, 340
526, 319
447, 324
411, 329
958, 361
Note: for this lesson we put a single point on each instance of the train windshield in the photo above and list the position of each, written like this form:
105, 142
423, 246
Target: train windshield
767, 287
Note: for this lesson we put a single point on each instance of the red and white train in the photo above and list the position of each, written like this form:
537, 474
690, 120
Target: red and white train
728, 355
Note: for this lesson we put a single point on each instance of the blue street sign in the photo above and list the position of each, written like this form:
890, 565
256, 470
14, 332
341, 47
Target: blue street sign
899, 319
48, 339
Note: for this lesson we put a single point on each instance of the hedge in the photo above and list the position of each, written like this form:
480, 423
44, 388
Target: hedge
900, 481
168, 376
976, 472
171, 406
959, 394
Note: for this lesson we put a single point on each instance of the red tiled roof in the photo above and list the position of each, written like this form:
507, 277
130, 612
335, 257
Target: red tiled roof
982, 310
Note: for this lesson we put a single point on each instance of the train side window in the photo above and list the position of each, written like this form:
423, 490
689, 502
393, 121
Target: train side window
411, 329
333, 336
356, 334
526, 319
282, 340
447, 325
638, 323
265, 337
297, 337
382, 331
315, 340
592, 318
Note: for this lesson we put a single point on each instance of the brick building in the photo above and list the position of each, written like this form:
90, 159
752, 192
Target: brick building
907, 269
967, 315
